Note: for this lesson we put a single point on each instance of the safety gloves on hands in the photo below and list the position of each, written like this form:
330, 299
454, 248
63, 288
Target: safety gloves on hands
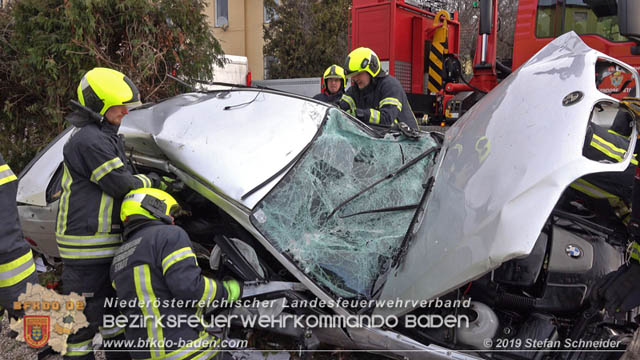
165, 183
156, 180
233, 289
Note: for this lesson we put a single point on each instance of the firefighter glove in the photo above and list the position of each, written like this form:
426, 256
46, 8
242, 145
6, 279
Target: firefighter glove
618, 291
171, 185
156, 181
233, 289
362, 114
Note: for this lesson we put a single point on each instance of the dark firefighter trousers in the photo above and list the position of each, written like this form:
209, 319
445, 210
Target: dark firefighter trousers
92, 281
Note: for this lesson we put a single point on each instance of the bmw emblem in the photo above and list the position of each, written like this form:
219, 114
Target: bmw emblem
573, 251
572, 98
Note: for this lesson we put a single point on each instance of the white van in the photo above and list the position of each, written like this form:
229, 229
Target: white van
235, 71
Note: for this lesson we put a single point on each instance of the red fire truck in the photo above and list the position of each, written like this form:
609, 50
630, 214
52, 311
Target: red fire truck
419, 45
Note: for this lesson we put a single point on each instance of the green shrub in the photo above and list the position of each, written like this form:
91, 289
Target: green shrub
47, 45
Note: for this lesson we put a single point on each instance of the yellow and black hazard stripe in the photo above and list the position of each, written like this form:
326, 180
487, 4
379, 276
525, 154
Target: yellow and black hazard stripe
439, 47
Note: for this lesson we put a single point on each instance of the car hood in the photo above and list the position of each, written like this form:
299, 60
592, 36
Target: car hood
236, 142
502, 169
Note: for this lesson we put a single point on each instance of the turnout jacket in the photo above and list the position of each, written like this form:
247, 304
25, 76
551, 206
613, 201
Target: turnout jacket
16, 260
612, 189
95, 179
328, 98
382, 102
155, 265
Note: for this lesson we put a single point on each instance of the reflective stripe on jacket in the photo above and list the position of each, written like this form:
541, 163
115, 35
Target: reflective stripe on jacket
154, 266
16, 260
612, 187
383, 102
96, 177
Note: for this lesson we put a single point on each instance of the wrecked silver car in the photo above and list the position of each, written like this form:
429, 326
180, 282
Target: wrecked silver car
309, 204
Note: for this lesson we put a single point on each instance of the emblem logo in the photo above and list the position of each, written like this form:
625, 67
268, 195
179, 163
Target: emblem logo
36, 330
573, 251
616, 79
572, 98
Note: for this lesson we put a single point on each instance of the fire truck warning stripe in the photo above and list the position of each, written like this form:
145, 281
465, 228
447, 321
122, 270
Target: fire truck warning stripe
435, 69
435, 81
435, 65
435, 58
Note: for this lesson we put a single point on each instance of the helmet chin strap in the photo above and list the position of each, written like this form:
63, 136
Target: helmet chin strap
92, 114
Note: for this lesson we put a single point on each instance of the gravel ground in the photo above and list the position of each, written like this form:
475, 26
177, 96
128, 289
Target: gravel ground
12, 349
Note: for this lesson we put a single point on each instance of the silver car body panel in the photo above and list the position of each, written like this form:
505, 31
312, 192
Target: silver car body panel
502, 169
39, 225
37, 217
32, 187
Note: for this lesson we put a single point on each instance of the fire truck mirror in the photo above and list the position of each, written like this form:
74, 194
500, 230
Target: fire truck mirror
629, 18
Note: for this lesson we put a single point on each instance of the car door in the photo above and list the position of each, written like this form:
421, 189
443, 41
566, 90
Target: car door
39, 189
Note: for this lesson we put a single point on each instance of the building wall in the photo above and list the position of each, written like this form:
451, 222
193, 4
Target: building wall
254, 37
243, 35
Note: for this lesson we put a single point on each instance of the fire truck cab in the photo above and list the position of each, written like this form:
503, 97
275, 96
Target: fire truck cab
419, 45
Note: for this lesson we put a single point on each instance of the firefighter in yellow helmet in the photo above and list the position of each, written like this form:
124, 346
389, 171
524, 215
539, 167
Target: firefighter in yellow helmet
16, 260
618, 291
96, 176
156, 262
378, 98
333, 85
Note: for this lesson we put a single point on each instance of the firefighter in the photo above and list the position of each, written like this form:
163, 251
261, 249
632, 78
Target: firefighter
619, 290
607, 194
333, 84
156, 266
96, 176
16, 260
378, 98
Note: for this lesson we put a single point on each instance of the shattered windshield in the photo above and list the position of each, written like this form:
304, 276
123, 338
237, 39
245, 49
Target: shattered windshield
344, 253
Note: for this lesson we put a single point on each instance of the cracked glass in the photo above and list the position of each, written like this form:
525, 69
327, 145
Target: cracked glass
345, 252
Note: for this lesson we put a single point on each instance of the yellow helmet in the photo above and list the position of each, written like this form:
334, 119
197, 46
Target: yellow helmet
334, 72
102, 88
150, 203
362, 59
